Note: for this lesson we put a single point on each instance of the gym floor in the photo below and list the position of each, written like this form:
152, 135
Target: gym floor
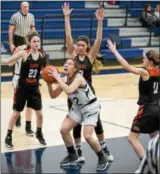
117, 94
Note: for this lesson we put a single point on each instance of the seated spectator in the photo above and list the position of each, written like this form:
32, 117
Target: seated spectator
157, 14
148, 18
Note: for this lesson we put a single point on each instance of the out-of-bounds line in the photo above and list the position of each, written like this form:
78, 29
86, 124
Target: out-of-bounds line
118, 125
54, 107
102, 120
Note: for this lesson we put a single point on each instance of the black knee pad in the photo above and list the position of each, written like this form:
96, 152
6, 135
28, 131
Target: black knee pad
77, 131
99, 127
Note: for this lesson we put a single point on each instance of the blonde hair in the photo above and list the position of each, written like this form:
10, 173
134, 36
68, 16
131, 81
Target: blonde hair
96, 65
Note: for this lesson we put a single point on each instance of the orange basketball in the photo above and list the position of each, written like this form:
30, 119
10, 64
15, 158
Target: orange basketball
45, 75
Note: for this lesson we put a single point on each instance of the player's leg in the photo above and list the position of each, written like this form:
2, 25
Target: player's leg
89, 126
34, 101
28, 116
77, 136
67, 125
100, 135
145, 122
18, 106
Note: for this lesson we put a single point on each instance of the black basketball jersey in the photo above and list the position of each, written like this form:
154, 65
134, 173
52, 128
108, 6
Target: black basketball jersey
86, 68
149, 91
30, 70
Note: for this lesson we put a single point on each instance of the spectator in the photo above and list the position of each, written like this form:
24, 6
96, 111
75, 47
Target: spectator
157, 14
148, 18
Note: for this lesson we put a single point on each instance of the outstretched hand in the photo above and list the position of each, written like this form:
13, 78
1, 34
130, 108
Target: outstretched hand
111, 46
66, 10
53, 73
99, 14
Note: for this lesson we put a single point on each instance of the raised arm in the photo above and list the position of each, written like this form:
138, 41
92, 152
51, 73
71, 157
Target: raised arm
140, 71
96, 46
12, 60
69, 40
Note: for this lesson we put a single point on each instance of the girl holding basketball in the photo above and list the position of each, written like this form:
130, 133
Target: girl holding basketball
86, 57
147, 120
33, 60
85, 108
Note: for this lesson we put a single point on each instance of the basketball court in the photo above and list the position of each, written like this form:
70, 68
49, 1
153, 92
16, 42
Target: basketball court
117, 94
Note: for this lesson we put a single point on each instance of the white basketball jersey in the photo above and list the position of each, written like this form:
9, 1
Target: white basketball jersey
82, 96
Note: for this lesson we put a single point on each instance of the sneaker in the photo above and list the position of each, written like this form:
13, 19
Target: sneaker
71, 159
8, 142
102, 164
29, 132
109, 156
40, 138
18, 122
81, 159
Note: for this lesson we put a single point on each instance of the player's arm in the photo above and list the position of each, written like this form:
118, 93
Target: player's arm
69, 40
140, 71
12, 60
68, 89
96, 46
54, 90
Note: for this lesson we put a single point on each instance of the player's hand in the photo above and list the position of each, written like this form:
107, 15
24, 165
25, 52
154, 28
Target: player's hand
111, 46
12, 48
54, 73
66, 10
99, 14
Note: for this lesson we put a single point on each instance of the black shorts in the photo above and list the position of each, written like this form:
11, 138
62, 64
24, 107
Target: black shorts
147, 120
23, 95
18, 40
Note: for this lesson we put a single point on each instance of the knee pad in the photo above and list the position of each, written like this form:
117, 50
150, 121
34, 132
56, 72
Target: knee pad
77, 131
99, 127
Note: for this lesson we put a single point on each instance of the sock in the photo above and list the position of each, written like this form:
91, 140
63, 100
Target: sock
104, 146
9, 133
71, 150
100, 154
28, 124
78, 145
39, 130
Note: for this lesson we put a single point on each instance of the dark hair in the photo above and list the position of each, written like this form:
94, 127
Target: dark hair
77, 66
86, 40
31, 35
146, 6
96, 62
154, 57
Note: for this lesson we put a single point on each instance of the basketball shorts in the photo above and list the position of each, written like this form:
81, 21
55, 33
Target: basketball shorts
147, 120
31, 97
87, 114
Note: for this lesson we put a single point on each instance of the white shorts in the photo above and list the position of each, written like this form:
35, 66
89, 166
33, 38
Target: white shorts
88, 114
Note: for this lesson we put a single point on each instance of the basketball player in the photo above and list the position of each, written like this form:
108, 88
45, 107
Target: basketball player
28, 111
33, 60
85, 108
86, 57
147, 120
151, 159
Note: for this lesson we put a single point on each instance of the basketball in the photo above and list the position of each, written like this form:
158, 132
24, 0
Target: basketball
45, 75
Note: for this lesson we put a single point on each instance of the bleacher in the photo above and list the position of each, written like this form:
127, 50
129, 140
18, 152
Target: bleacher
134, 37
